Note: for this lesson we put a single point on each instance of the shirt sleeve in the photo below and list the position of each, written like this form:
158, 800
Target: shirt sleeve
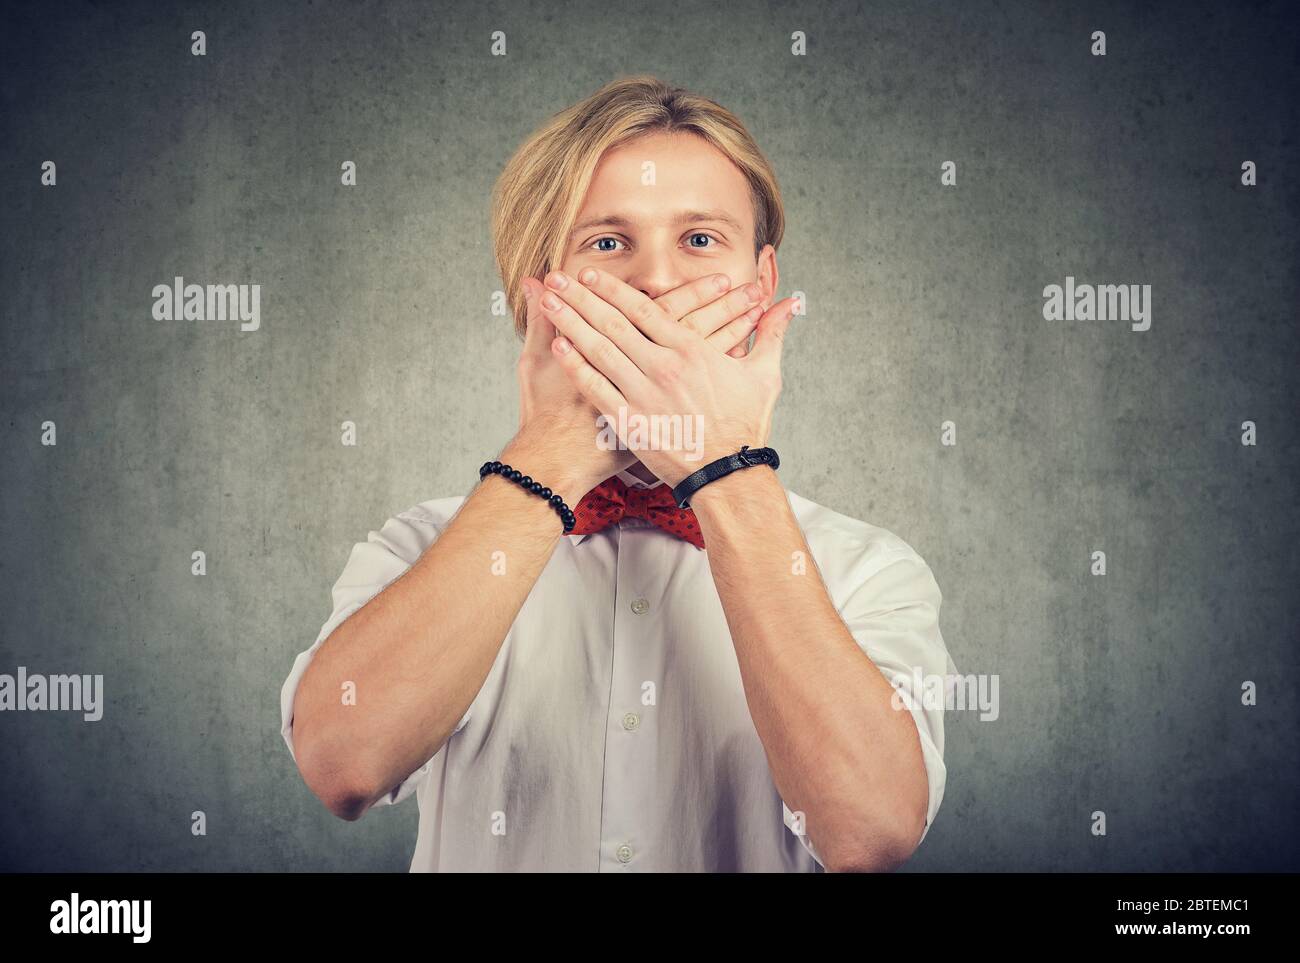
893, 615
371, 567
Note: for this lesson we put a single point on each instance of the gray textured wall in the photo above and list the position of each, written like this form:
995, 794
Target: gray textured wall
1118, 693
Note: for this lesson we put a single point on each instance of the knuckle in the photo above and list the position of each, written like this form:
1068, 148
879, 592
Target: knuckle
670, 372
604, 353
617, 328
645, 311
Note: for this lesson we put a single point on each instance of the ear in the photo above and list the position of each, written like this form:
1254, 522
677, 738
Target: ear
767, 275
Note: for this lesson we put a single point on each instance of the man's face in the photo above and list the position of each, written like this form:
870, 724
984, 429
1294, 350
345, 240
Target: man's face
695, 218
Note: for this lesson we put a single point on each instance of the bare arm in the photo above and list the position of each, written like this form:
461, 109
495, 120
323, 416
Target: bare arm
419, 652
839, 748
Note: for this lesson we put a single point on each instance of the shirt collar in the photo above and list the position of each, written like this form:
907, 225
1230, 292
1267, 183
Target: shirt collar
628, 479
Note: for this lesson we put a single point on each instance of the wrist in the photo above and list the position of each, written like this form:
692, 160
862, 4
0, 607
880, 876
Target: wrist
735, 488
544, 467
715, 471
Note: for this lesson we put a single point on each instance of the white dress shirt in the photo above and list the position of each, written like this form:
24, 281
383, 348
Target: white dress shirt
612, 732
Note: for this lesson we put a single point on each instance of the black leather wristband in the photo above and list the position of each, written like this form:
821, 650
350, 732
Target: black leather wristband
745, 458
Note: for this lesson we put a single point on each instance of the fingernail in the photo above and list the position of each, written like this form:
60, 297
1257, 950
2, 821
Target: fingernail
549, 300
722, 282
557, 280
562, 345
588, 276
753, 292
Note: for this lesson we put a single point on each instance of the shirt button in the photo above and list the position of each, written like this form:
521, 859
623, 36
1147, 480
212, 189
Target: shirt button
625, 853
640, 607
630, 721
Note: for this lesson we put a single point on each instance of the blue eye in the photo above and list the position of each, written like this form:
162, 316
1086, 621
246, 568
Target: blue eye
611, 250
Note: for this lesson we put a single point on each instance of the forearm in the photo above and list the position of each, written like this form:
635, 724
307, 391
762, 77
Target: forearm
420, 650
838, 749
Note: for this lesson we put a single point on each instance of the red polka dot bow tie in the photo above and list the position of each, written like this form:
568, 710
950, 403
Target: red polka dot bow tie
612, 500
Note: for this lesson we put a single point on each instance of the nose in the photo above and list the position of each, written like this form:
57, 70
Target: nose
656, 269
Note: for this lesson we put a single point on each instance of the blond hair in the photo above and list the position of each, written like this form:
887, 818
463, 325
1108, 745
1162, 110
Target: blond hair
536, 200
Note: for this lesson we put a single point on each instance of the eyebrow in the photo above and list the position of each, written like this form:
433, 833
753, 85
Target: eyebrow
617, 220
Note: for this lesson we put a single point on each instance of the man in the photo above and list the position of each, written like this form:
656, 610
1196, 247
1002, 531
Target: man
707, 689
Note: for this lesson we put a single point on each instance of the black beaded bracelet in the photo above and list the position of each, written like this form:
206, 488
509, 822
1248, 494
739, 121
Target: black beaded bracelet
537, 488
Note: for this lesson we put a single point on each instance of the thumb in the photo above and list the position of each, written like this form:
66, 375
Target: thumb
540, 332
770, 337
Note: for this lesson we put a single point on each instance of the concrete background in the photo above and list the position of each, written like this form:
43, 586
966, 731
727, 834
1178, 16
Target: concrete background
1119, 693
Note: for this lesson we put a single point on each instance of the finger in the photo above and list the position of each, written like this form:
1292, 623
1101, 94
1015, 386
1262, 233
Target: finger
605, 318
772, 328
596, 349
736, 333
693, 295
539, 332
593, 385
709, 318
651, 319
